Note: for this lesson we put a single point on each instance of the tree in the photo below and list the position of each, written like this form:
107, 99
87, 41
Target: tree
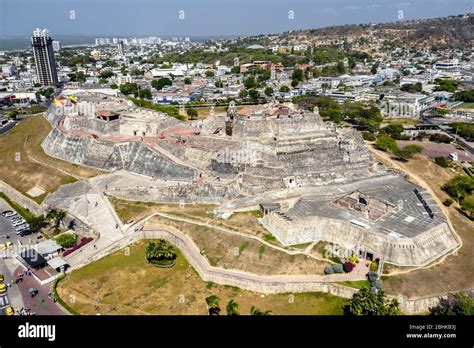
284, 89
250, 82
37, 223
213, 304
192, 113
365, 302
159, 84
57, 216
269, 91
297, 75
219, 84
458, 304
255, 311
253, 94
233, 308
210, 73
106, 74
129, 88
441, 161
160, 253
13, 114
394, 130
187, 81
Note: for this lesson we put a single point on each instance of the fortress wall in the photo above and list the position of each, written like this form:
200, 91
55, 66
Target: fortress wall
139, 158
203, 194
66, 147
398, 251
135, 156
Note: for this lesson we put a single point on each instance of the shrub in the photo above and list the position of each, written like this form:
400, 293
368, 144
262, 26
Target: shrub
328, 270
338, 268
369, 136
374, 266
348, 267
440, 138
441, 161
448, 201
66, 239
386, 143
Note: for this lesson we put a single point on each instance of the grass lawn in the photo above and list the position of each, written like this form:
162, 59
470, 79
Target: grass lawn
457, 271
358, 284
20, 152
465, 106
124, 283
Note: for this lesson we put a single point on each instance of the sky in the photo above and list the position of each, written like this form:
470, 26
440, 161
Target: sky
208, 17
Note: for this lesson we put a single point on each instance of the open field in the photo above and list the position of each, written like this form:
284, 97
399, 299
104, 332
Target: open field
226, 250
457, 271
24, 165
245, 222
124, 283
465, 106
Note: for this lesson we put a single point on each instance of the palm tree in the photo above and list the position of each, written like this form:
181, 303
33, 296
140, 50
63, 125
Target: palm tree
233, 308
255, 311
213, 305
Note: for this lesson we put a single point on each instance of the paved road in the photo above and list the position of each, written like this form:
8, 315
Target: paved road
12, 297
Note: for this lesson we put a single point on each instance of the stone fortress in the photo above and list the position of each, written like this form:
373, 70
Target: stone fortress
313, 181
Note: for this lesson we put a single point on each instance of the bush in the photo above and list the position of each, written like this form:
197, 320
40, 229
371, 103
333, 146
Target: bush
441, 161
448, 201
374, 266
328, 270
369, 136
338, 268
348, 267
440, 138
66, 239
386, 143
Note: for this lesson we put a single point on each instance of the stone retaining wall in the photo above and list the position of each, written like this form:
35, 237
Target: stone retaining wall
20, 199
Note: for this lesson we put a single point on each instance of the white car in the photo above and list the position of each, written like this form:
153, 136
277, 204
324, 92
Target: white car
18, 223
10, 214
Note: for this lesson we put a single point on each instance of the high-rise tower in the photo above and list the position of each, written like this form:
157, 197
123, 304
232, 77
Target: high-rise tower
44, 57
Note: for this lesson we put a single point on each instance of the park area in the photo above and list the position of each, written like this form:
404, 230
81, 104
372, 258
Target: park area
25, 166
125, 283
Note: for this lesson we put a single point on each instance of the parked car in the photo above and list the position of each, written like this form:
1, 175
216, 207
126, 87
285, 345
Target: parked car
4, 213
25, 232
10, 214
22, 227
9, 311
1, 278
3, 288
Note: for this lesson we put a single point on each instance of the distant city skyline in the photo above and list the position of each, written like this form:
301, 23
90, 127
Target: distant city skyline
207, 17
